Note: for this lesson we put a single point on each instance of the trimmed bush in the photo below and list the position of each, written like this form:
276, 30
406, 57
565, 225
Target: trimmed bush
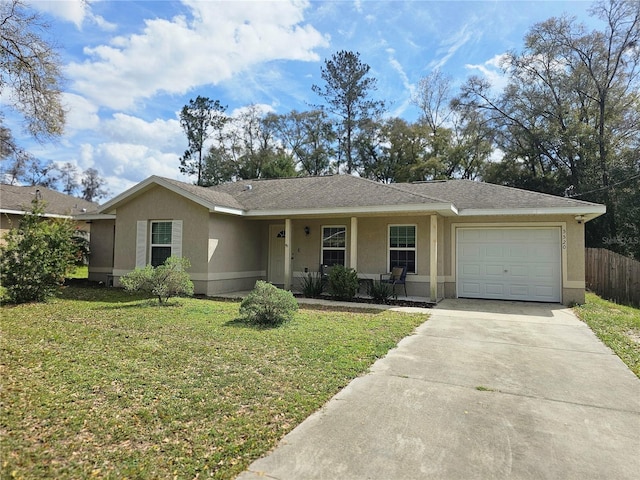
36, 257
267, 305
165, 281
381, 292
312, 285
343, 283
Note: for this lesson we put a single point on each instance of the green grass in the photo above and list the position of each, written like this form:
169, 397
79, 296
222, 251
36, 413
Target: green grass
618, 326
79, 272
100, 384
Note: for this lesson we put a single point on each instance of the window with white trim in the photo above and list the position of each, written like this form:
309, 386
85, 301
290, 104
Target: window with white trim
157, 240
334, 245
402, 247
160, 242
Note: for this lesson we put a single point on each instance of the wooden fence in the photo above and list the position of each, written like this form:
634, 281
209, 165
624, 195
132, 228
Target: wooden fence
613, 276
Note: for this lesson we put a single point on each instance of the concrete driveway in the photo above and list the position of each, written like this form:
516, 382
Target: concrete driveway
484, 389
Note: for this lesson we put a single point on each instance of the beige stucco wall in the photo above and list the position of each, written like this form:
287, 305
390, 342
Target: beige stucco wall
7, 222
101, 247
226, 252
159, 203
235, 253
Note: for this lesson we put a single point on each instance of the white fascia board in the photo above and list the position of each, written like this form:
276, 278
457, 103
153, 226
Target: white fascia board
589, 211
227, 210
94, 216
22, 212
445, 209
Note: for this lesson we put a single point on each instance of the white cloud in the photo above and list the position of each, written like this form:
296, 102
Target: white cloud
70, 10
450, 46
175, 55
81, 114
74, 11
124, 165
406, 83
492, 71
162, 134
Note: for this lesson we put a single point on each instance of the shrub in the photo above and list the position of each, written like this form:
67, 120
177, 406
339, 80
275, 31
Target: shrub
267, 305
312, 285
343, 282
381, 292
36, 256
164, 281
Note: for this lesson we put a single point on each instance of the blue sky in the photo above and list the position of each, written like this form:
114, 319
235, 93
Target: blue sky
131, 66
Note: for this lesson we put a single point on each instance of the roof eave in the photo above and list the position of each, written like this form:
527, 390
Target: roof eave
445, 209
588, 212
88, 217
111, 206
23, 212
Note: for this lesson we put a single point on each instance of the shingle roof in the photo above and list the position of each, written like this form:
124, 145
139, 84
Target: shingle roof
346, 193
468, 194
210, 195
332, 191
18, 199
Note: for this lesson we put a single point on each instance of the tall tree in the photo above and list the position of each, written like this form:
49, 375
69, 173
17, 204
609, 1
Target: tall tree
308, 136
14, 159
39, 172
69, 178
433, 97
570, 116
256, 151
346, 92
30, 72
457, 142
92, 184
199, 120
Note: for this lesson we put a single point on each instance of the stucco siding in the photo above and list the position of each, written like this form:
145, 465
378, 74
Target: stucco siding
7, 222
161, 204
235, 253
101, 246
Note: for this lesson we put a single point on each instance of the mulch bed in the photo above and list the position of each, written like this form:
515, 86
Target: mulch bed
391, 301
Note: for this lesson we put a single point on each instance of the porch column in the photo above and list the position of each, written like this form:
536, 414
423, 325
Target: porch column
288, 240
433, 259
353, 246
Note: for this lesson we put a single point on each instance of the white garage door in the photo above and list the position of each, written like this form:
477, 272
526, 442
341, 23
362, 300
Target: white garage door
509, 263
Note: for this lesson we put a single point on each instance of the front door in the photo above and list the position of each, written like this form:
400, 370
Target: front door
276, 254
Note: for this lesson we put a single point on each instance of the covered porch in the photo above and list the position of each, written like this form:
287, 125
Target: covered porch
370, 244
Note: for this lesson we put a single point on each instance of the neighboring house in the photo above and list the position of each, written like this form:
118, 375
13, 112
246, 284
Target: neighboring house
15, 201
457, 238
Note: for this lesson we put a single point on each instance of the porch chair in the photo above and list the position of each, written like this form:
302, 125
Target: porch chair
397, 276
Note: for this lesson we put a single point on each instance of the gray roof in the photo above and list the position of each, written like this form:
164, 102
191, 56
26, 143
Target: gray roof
18, 199
347, 193
469, 194
211, 195
331, 191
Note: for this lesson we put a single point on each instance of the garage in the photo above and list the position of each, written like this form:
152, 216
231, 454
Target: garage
509, 263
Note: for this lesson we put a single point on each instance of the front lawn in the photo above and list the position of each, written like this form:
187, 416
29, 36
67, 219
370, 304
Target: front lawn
101, 384
618, 326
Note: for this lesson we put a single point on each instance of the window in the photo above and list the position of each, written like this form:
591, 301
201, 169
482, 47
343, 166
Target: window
160, 242
157, 240
402, 247
334, 243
